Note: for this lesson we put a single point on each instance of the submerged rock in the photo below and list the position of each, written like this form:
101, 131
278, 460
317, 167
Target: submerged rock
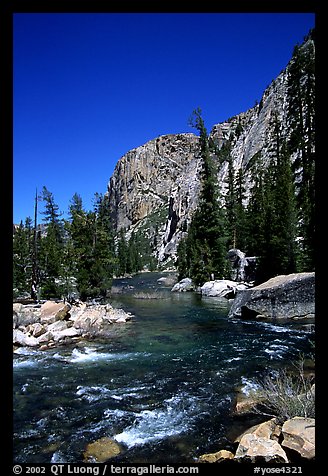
101, 450
218, 457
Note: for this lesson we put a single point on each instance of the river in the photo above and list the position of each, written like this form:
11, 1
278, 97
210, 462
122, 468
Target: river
162, 386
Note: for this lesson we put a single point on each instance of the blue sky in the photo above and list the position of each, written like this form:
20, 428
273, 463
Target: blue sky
89, 87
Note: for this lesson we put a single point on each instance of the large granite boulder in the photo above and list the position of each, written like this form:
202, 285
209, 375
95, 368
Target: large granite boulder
54, 311
184, 285
221, 288
253, 448
25, 340
299, 435
289, 296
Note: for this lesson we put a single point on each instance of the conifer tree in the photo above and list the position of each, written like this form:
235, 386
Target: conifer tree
301, 116
22, 263
122, 254
241, 226
51, 247
92, 243
272, 212
205, 248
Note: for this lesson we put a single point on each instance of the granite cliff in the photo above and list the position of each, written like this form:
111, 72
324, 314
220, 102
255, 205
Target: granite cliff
154, 188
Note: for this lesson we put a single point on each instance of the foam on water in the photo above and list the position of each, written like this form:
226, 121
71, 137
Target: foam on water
89, 355
96, 393
248, 386
19, 364
175, 417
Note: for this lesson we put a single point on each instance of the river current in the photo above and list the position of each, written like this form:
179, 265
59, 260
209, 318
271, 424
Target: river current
162, 386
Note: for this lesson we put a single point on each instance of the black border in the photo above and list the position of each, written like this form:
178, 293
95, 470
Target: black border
7, 10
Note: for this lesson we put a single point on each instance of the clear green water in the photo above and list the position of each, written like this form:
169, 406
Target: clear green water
162, 386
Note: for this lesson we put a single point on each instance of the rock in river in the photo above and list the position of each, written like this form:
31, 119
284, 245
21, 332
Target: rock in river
289, 296
101, 450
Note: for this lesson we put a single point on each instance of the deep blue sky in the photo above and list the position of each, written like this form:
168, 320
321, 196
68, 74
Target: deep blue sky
90, 87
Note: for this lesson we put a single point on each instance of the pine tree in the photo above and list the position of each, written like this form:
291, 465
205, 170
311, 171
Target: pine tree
122, 254
231, 205
272, 212
51, 247
92, 245
22, 263
301, 116
204, 251
241, 226
255, 213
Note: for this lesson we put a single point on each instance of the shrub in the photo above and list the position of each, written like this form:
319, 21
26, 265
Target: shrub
287, 394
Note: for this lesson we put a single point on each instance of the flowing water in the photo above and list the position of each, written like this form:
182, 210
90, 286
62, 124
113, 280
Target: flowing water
162, 386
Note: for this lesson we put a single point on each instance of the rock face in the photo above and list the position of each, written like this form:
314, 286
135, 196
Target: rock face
243, 268
288, 296
156, 186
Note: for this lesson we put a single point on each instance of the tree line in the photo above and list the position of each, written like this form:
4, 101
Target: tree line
79, 255
277, 225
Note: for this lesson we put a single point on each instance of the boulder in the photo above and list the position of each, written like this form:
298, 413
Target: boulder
20, 338
69, 332
36, 329
169, 280
221, 288
184, 285
218, 457
101, 450
96, 320
289, 296
268, 429
242, 268
299, 435
25, 315
45, 338
54, 311
253, 448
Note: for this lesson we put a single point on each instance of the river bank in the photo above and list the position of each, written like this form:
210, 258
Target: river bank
162, 389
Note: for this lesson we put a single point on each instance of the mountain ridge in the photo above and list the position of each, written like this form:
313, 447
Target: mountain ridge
162, 175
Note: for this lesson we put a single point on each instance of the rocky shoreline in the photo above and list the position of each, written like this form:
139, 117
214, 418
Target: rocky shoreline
52, 323
271, 442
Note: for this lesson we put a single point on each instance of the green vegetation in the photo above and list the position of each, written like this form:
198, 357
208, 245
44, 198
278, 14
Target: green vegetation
79, 256
202, 252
